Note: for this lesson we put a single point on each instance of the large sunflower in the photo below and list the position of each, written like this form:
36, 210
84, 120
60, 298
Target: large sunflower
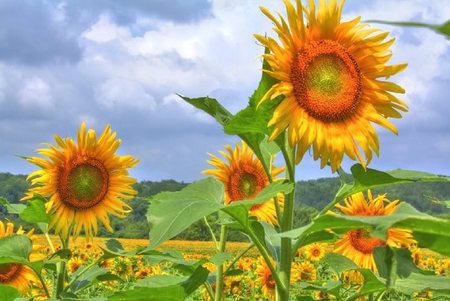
244, 177
358, 244
85, 182
328, 74
16, 275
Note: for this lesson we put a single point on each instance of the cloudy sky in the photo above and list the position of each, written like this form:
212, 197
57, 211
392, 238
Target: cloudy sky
121, 62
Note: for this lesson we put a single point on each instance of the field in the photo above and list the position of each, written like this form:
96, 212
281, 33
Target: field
251, 282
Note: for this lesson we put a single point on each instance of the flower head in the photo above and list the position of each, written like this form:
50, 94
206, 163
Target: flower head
16, 275
358, 244
243, 176
329, 73
85, 182
315, 251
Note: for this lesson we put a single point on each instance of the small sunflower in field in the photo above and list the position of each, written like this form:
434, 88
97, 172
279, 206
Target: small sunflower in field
17, 275
329, 75
243, 176
85, 182
74, 264
358, 244
264, 279
314, 251
304, 271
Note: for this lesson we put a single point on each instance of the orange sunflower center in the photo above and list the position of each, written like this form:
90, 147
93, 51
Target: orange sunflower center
362, 241
315, 252
245, 183
83, 183
8, 271
326, 81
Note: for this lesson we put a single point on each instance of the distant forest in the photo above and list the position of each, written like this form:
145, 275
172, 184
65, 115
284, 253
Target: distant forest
311, 197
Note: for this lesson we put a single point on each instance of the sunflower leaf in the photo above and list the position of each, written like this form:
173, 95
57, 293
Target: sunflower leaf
443, 29
12, 208
170, 213
8, 293
164, 287
35, 211
210, 106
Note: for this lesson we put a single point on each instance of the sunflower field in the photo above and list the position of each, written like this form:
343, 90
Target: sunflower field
326, 86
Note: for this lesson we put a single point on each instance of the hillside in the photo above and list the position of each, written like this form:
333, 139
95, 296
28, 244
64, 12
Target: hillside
311, 196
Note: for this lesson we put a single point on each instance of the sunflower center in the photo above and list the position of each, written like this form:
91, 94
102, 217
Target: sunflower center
362, 241
245, 183
83, 183
8, 271
326, 81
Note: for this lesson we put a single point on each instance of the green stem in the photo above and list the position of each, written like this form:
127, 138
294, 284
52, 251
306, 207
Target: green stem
49, 241
209, 290
286, 225
84, 270
61, 268
216, 244
47, 293
265, 254
219, 279
250, 246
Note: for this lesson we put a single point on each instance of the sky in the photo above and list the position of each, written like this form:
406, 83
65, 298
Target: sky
124, 62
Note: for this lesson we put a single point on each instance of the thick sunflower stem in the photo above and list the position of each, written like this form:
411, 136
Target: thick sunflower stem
61, 269
286, 225
219, 279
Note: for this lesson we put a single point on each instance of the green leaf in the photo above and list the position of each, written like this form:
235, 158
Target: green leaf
171, 212
16, 246
12, 208
210, 106
164, 287
443, 29
35, 211
93, 276
8, 293
339, 263
220, 258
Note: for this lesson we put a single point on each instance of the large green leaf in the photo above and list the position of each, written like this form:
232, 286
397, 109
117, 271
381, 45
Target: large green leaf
12, 208
93, 276
171, 212
35, 211
210, 106
443, 29
164, 287
430, 232
364, 179
8, 293
17, 248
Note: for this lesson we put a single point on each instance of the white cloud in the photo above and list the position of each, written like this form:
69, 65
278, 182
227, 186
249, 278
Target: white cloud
119, 92
104, 31
36, 92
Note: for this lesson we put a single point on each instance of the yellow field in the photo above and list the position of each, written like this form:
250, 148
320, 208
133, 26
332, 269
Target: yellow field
203, 248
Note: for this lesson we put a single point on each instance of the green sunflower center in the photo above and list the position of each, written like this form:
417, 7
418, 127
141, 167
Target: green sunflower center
8, 271
245, 183
83, 183
362, 240
326, 81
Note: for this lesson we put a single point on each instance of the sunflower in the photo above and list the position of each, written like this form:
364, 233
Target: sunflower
265, 279
304, 271
85, 181
358, 244
244, 177
16, 275
328, 74
314, 251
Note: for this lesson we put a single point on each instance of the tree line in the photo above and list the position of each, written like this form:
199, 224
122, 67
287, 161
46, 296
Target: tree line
311, 197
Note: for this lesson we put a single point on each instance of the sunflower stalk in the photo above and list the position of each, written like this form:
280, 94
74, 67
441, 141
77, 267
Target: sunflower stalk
213, 236
286, 225
239, 256
61, 267
219, 279
84, 270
